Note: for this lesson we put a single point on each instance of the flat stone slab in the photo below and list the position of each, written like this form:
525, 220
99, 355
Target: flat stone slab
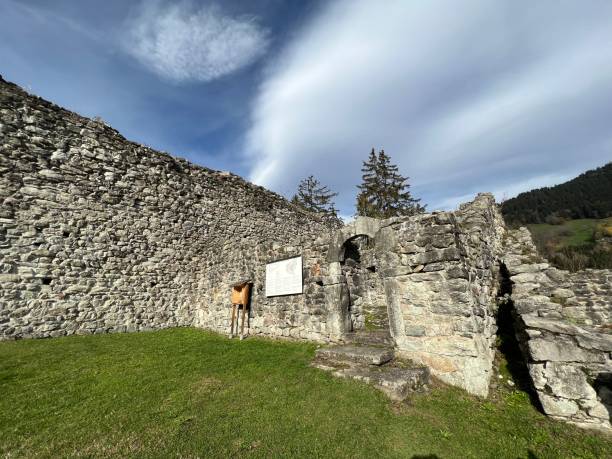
370, 338
395, 382
356, 354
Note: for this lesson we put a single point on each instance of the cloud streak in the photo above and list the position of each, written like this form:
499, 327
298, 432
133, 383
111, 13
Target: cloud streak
466, 96
182, 43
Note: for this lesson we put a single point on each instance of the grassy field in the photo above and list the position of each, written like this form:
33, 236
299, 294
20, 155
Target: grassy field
189, 393
571, 233
575, 244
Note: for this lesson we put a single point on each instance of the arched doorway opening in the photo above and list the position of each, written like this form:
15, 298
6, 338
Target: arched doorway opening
367, 303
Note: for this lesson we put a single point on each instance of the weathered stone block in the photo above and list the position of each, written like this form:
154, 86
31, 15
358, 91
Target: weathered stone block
557, 406
557, 350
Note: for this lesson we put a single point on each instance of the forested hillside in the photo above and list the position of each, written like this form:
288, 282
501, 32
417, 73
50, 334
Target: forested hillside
587, 196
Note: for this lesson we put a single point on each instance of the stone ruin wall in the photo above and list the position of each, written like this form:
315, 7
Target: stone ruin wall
439, 278
99, 234
443, 273
564, 325
440, 275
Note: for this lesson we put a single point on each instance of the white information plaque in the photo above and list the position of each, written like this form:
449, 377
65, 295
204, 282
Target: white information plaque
284, 277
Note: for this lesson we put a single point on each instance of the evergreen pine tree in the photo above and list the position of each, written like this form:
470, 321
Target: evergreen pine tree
367, 199
384, 192
315, 197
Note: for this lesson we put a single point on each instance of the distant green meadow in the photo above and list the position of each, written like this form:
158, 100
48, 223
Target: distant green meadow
575, 244
190, 393
572, 233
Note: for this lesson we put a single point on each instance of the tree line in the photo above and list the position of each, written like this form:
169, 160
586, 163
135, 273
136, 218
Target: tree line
383, 192
587, 196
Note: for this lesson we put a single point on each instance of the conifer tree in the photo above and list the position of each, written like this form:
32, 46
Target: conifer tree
367, 200
384, 192
315, 197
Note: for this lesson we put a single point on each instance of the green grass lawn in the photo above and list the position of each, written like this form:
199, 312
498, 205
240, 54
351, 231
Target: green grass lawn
190, 393
571, 233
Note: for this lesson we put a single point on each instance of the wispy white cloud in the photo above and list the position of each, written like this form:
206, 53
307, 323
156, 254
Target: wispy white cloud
466, 96
180, 42
49, 16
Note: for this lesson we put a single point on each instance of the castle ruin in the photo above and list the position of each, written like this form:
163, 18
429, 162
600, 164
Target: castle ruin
99, 234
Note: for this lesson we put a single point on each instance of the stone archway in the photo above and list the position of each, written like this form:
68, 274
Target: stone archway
356, 296
367, 304
361, 226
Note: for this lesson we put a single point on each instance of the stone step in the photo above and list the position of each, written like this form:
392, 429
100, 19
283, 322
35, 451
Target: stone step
396, 382
371, 338
350, 354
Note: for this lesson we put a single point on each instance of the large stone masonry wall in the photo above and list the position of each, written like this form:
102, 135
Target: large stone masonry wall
563, 322
441, 279
99, 234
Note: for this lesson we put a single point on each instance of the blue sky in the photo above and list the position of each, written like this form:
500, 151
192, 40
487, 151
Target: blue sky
466, 96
